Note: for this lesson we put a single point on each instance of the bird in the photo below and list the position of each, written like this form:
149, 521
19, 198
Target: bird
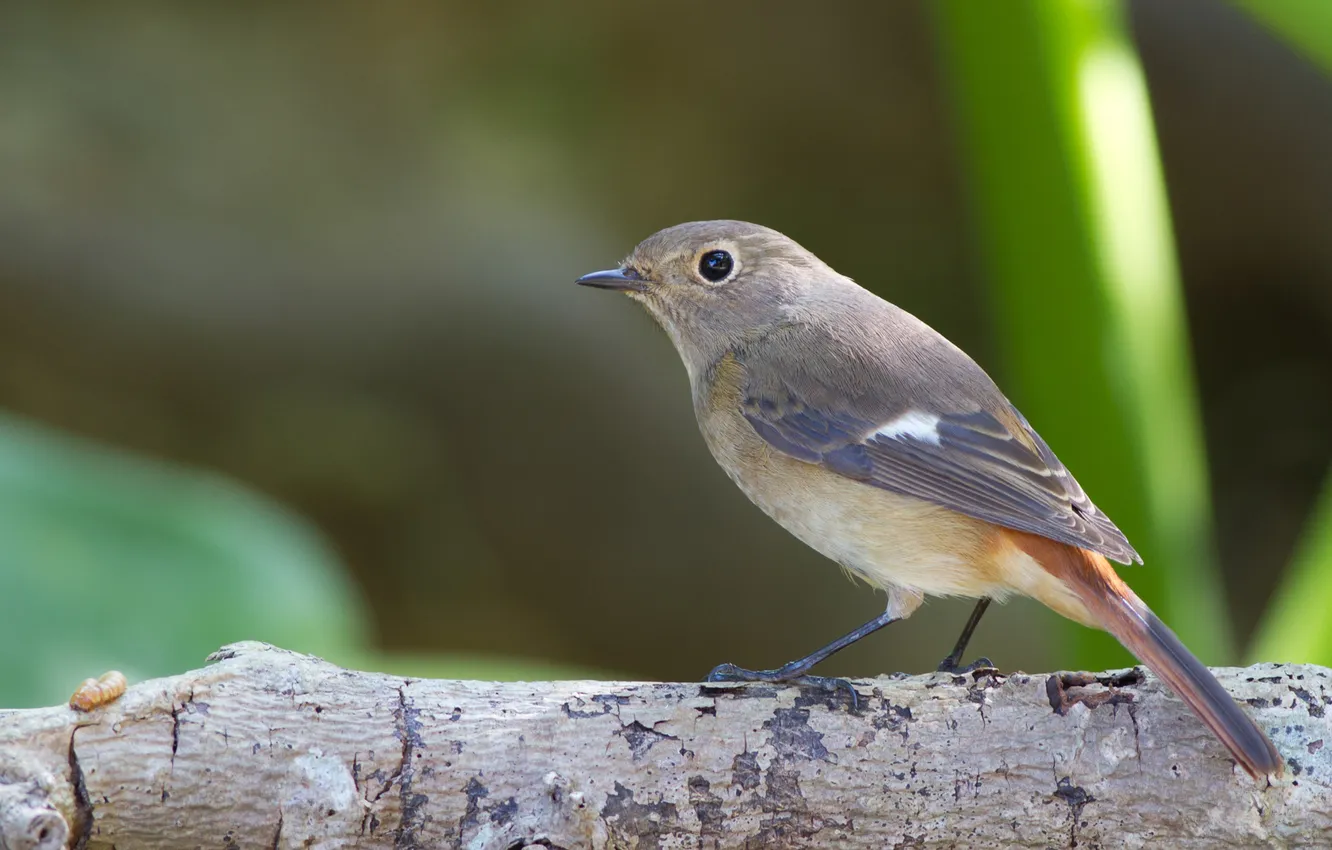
884, 447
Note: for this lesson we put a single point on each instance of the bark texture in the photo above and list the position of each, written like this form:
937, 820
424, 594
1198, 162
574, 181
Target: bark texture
268, 748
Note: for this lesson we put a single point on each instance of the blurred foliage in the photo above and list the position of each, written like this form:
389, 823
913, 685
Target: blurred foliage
1306, 24
112, 562
1072, 213
327, 253
1296, 626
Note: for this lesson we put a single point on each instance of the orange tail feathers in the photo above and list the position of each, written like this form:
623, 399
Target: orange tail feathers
1119, 611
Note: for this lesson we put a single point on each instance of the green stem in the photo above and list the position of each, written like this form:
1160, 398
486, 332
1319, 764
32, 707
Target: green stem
1075, 227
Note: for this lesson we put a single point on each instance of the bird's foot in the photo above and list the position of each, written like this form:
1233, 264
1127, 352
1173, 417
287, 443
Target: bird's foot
732, 673
980, 665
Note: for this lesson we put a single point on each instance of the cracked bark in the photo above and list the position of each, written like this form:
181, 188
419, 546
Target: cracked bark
270, 748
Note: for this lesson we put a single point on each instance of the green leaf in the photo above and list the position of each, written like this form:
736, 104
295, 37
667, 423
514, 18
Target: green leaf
108, 561
1072, 215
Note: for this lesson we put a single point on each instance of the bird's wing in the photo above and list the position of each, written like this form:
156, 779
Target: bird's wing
907, 440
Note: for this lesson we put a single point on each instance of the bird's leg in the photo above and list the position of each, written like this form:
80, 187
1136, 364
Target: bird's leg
952, 664
794, 671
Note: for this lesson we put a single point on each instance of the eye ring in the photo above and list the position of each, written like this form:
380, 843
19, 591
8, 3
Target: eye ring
716, 265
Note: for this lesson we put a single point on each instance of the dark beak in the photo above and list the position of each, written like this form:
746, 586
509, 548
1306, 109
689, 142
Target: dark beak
625, 280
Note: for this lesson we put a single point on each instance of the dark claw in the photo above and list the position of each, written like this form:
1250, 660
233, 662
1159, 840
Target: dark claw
732, 673
729, 673
951, 665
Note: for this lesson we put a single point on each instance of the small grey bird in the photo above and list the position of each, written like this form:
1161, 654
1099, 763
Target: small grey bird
882, 445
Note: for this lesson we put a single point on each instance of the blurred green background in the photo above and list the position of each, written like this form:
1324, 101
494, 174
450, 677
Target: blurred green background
290, 350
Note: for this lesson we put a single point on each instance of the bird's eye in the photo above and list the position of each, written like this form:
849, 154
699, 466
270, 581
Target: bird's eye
715, 265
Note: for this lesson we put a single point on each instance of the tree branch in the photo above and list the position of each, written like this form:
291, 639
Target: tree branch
270, 748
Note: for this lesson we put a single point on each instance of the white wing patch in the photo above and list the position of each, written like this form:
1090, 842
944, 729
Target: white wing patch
914, 425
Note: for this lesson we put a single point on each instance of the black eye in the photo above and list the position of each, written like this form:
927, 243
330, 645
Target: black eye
715, 265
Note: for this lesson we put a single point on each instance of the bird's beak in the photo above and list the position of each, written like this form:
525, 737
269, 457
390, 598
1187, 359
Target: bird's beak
623, 279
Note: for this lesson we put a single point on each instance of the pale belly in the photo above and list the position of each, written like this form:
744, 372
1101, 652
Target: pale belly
906, 546
886, 539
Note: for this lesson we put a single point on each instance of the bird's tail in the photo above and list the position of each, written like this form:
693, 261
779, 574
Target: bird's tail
1117, 609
